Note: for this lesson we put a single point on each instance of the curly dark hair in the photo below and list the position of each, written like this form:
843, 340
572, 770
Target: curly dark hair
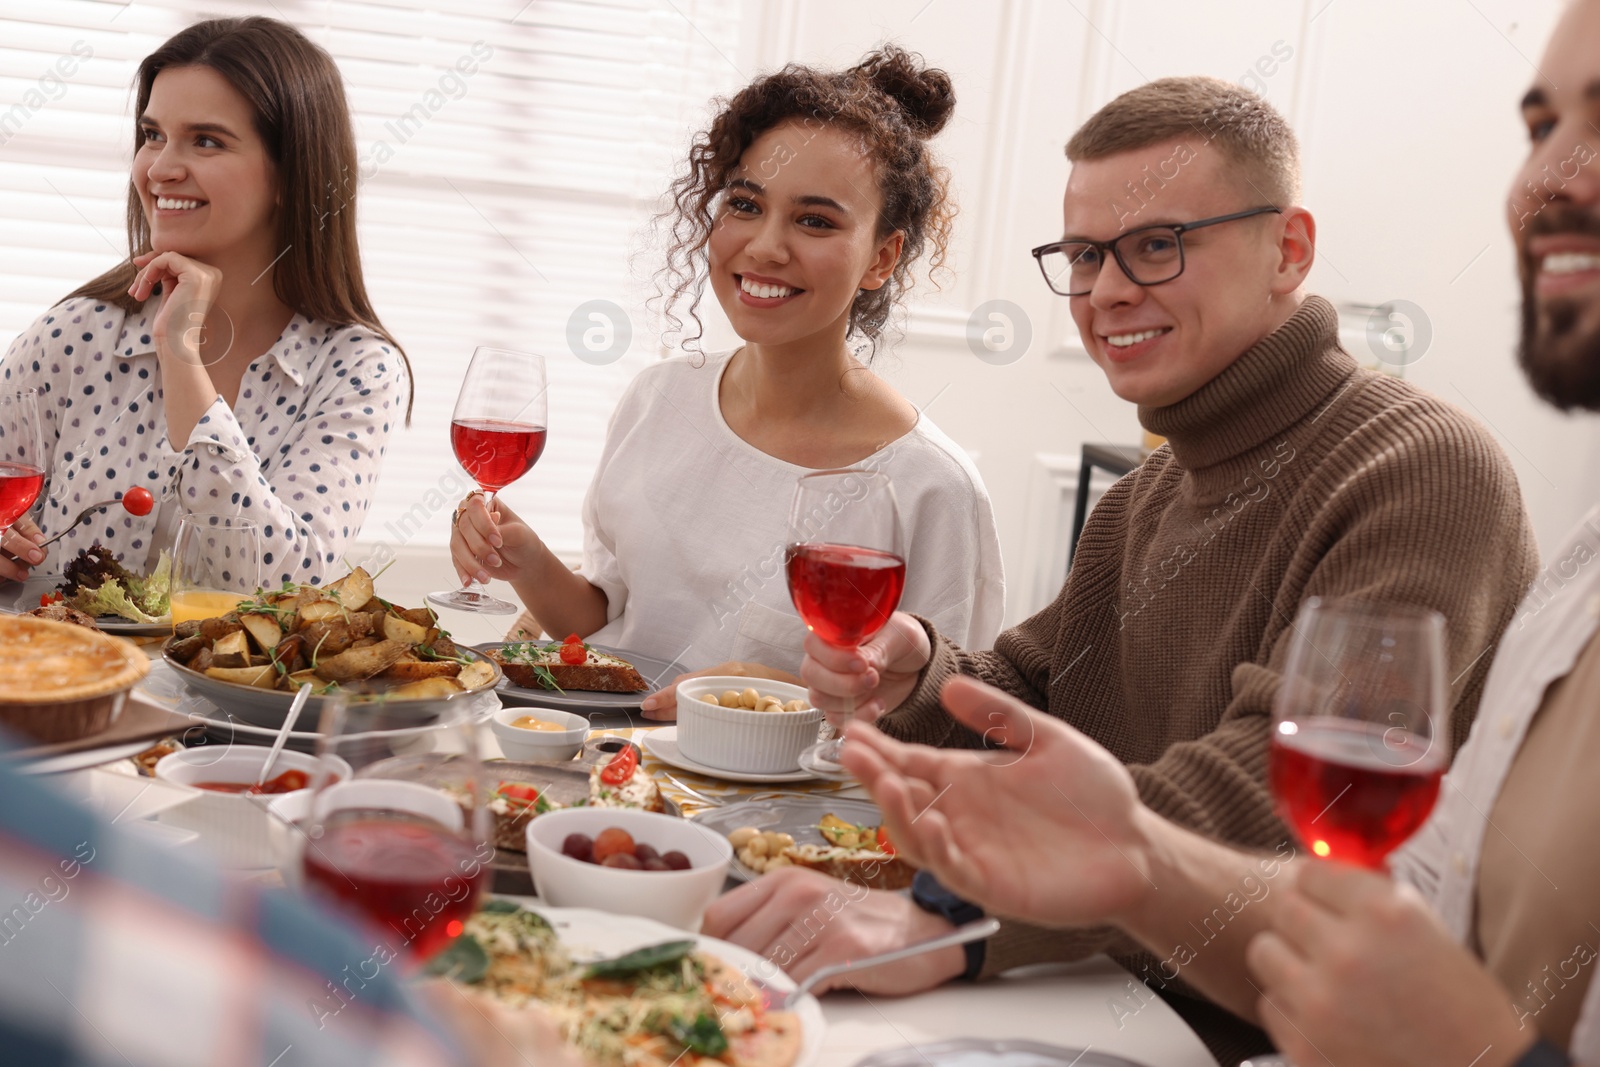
893, 101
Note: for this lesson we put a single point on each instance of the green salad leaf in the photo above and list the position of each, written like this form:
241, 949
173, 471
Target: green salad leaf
111, 599
128, 596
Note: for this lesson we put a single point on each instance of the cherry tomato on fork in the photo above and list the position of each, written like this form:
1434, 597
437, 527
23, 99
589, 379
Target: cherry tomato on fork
138, 500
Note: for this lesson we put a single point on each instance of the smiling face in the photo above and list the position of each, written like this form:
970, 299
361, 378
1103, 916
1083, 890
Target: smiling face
208, 186
1554, 214
1158, 344
796, 235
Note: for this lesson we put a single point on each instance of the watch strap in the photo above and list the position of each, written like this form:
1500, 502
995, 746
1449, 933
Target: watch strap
931, 896
1544, 1053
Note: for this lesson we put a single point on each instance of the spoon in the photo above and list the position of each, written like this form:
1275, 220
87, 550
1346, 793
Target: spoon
974, 931
300, 699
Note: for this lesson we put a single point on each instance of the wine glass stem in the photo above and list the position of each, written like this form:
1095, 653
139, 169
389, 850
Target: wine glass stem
488, 505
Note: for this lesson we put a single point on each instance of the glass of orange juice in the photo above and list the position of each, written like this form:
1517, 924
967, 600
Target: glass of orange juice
216, 563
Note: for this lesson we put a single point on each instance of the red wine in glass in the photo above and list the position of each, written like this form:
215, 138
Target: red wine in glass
20, 484
846, 568
21, 453
843, 593
498, 433
1360, 728
416, 878
1353, 791
496, 452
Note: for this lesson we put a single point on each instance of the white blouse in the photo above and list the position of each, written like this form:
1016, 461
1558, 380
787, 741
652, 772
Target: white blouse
299, 453
686, 523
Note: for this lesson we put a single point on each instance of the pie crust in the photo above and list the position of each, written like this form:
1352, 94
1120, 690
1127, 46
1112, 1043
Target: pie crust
60, 682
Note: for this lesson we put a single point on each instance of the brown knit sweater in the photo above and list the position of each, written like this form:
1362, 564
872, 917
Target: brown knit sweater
1294, 473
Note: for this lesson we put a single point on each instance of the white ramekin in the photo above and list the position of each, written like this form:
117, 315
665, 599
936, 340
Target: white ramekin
234, 828
736, 739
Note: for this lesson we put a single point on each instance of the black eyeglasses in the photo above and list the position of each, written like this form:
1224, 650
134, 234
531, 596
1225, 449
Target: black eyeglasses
1148, 255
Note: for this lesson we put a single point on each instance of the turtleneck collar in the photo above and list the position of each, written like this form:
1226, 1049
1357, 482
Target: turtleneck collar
1277, 382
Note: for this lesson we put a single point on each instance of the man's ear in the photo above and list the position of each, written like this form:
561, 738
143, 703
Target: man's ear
882, 266
1297, 250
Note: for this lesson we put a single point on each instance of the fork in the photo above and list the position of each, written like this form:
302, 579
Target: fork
779, 999
84, 514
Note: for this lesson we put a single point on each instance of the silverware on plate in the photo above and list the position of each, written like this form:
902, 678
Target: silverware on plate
974, 931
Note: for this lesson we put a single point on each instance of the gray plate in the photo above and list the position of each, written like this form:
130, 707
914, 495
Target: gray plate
656, 672
795, 814
17, 597
267, 707
984, 1052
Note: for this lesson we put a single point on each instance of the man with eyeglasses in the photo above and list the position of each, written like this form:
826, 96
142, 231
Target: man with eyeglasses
1289, 473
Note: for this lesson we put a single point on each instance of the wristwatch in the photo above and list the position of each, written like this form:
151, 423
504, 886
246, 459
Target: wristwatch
1544, 1054
932, 897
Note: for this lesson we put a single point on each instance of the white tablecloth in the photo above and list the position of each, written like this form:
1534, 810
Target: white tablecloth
1081, 1005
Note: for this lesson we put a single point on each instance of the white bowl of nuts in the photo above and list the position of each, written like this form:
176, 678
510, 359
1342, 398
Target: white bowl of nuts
749, 725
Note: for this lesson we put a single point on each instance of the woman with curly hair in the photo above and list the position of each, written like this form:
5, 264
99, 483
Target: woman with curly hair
805, 205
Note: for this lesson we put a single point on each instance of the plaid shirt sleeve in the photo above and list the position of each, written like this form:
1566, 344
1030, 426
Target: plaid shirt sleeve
114, 953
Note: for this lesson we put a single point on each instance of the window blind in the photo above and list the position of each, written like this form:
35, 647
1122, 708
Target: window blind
511, 155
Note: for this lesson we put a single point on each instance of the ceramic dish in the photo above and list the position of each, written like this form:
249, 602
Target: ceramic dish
590, 935
656, 672
267, 707
662, 743
677, 898
18, 597
794, 814
539, 746
740, 739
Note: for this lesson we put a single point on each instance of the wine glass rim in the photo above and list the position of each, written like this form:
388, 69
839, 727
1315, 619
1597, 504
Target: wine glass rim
522, 353
215, 521
1370, 610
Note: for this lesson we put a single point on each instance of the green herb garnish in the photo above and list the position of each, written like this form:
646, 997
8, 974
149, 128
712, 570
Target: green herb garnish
643, 959
704, 1035
465, 961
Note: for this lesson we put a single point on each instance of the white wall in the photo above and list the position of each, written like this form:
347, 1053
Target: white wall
1407, 112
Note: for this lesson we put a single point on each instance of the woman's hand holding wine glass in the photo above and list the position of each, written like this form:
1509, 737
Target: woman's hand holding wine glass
874, 678
846, 568
485, 545
498, 434
21, 471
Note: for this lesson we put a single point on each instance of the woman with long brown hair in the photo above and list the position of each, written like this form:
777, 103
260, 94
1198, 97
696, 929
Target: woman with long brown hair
232, 364
805, 207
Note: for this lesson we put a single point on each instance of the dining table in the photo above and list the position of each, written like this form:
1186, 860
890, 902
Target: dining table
1090, 1006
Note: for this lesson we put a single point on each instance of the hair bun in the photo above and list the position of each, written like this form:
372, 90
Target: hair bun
925, 94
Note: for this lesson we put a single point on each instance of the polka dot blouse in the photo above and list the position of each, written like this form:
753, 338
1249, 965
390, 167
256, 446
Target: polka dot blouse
299, 453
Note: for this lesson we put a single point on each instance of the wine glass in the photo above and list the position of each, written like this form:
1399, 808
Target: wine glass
216, 563
1360, 733
404, 838
21, 456
498, 434
846, 569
